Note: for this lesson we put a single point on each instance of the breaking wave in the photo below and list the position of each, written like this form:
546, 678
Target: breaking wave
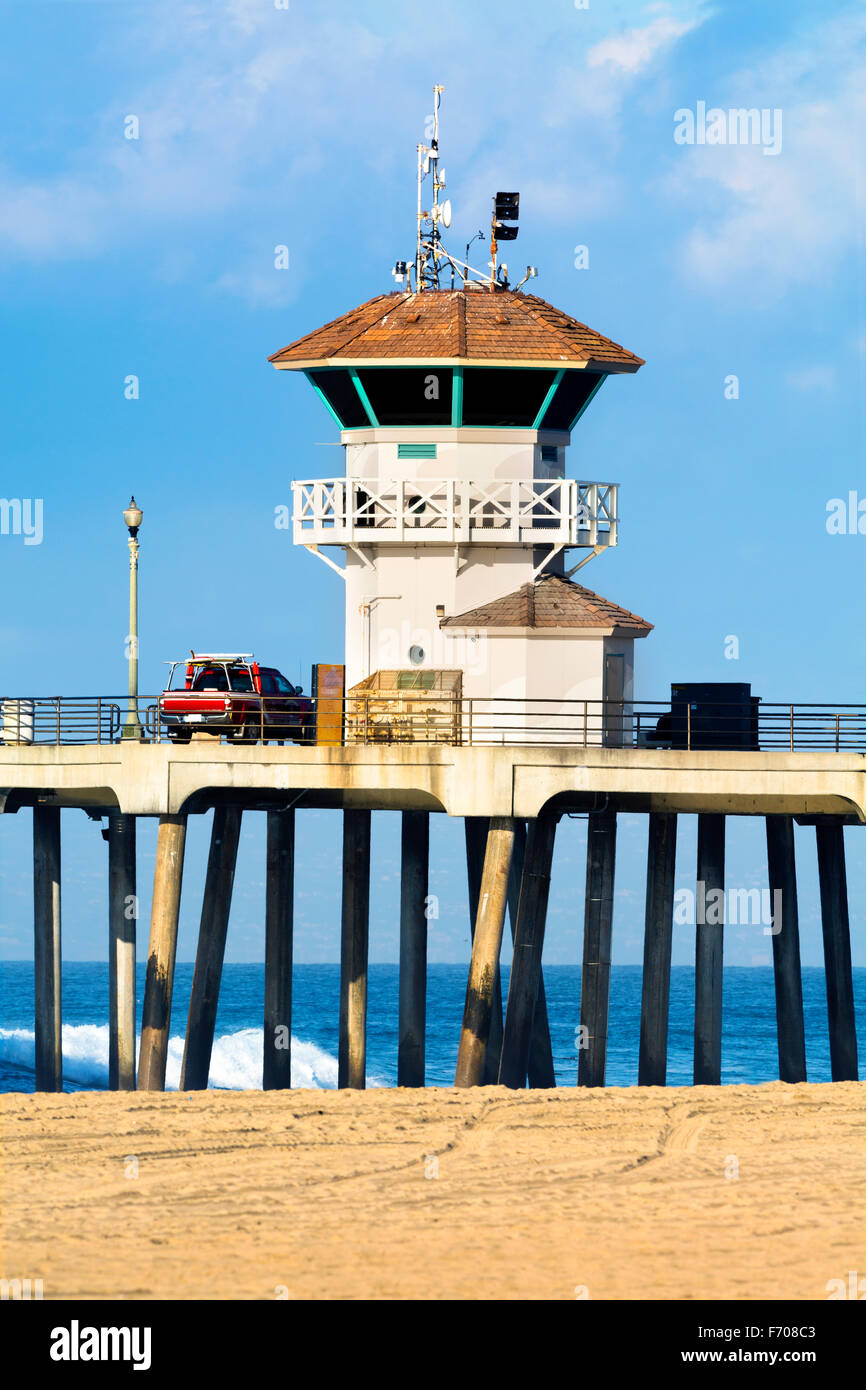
236, 1061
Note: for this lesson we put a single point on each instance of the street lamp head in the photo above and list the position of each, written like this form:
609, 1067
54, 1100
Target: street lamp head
132, 516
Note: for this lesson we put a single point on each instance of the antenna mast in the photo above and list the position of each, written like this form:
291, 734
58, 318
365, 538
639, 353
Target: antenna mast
427, 246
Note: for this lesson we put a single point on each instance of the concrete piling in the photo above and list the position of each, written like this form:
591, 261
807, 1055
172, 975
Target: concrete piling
597, 932
540, 1073
161, 952
790, 1028
279, 950
476, 828
658, 931
46, 947
486, 946
414, 875
352, 1052
122, 917
210, 952
525, 977
709, 940
837, 950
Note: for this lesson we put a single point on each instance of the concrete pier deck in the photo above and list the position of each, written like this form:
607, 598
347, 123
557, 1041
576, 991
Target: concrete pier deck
509, 780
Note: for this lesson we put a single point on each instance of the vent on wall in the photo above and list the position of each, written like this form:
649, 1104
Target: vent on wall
549, 453
416, 451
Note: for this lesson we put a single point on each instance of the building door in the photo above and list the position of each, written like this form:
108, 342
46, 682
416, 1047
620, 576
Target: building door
614, 707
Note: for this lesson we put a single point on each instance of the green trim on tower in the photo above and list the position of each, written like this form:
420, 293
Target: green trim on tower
457, 397
536, 424
365, 400
325, 402
591, 397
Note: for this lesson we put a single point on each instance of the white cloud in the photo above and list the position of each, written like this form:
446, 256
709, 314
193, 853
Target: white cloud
635, 48
244, 107
789, 219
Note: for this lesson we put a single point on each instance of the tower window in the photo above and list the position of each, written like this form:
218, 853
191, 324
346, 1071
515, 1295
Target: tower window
570, 395
504, 395
409, 395
338, 388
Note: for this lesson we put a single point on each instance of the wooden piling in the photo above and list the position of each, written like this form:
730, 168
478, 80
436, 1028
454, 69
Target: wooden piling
790, 1029
709, 941
476, 828
210, 952
122, 917
658, 931
46, 947
597, 932
161, 953
279, 950
837, 949
525, 977
352, 1058
486, 946
540, 1072
414, 874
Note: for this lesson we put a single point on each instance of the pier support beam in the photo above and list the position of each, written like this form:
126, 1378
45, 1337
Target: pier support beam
279, 950
790, 1028
658, 932
476, 843
837, 950
709, 945
597, 931
525, 977
204, 996
46, 947
414, 873
122, 917
540, 1073
486, 946
161, 953
352, 1056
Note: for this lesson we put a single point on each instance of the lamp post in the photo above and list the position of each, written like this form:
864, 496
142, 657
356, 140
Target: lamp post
132, 727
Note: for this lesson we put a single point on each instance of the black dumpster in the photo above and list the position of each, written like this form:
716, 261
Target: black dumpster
710, 715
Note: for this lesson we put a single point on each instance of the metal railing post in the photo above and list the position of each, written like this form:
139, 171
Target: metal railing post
792, 728
688, 726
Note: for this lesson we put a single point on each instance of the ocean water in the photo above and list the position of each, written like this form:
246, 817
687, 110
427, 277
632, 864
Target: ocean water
748, 1045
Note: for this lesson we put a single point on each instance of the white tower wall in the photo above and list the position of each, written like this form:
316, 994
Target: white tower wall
393, 590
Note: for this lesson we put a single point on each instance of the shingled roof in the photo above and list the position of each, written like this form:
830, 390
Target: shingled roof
466, 325
552, 602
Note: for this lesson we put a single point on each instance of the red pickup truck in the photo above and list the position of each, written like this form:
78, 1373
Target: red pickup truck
231, 694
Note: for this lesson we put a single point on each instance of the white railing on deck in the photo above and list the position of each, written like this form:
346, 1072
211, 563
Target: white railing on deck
543, 511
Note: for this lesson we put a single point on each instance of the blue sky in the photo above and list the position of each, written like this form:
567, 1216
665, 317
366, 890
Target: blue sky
261, 126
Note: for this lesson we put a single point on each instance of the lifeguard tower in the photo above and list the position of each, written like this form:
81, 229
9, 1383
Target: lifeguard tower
459, 529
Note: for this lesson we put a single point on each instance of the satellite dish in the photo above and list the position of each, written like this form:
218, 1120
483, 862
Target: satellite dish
445, 213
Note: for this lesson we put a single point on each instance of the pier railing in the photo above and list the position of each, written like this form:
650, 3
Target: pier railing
443, 717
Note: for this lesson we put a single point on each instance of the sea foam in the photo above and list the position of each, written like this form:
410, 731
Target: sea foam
236, 1061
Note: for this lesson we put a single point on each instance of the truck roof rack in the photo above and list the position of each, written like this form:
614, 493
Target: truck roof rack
219, 656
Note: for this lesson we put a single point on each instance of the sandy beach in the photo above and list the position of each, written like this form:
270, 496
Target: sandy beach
746, 1192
